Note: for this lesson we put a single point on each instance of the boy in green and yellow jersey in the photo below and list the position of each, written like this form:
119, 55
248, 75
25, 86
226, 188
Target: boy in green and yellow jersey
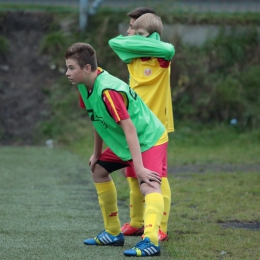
148, 60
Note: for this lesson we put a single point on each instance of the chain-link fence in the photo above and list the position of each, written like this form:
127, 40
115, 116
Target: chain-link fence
185, 5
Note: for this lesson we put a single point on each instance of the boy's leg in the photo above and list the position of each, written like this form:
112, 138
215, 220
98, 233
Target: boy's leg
136, 203
166, 192
135, 226
149, 246
153, 215
154, 159
107, 198
154, 205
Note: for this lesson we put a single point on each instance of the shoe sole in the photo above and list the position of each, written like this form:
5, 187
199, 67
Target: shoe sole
103, 244
136, 233
142, 256
164, 240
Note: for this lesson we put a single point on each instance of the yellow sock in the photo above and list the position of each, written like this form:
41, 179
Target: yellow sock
166, 192
136, 203
153, 215
107, 198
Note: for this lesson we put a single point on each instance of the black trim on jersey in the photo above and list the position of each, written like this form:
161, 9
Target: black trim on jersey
89, 94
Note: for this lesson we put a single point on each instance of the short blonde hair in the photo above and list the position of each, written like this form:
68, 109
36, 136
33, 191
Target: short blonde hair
150, 22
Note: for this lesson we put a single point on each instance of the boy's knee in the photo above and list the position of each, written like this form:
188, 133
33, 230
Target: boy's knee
99, 173
146, 189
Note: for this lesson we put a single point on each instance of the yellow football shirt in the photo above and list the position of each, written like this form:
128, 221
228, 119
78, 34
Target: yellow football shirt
150, 78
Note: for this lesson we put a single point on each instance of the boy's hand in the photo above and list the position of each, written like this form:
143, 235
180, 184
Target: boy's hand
92, 162
146, 176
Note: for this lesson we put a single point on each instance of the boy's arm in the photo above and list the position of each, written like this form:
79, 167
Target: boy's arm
143, 174
136, 46
114, 102
98, 144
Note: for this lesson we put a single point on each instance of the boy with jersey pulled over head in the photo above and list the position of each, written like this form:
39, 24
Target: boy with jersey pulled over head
124, 122
148, 60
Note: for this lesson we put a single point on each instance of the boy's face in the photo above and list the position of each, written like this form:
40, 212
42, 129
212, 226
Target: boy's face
141, 32
74, 73
130, 30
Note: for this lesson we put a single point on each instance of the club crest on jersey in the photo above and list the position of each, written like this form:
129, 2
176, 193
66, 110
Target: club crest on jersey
147, 72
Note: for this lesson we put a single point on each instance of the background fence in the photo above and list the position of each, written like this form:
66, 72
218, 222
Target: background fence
185, 5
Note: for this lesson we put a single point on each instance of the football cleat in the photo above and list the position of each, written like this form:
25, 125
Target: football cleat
129, 230
161, 236
105, 239
144, 248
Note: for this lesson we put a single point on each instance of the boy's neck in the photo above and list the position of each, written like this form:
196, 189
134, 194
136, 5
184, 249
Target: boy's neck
91, 79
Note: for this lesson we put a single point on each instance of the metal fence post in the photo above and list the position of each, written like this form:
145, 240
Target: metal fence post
95, 7
83, 14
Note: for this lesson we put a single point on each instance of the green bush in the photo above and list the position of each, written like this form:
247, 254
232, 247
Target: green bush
211, 84
218, 81
65, 118
250, 79
54, 44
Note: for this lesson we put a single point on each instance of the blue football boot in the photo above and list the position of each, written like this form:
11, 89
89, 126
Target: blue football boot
143, 248
105, 239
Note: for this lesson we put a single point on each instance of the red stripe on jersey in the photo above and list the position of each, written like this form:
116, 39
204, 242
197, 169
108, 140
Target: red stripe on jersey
114, 102
163, 63
145, 59
81, 102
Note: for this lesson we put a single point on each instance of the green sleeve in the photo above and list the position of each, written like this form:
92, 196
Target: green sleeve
136, 46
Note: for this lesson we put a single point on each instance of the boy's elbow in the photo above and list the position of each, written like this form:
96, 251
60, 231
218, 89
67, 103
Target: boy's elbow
110, 43
171, 51
171, 48
114, 42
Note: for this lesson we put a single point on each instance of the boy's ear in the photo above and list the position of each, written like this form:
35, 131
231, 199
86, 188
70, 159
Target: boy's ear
88, 68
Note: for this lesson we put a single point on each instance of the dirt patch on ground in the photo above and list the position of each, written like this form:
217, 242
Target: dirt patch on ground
239, 224
24, 73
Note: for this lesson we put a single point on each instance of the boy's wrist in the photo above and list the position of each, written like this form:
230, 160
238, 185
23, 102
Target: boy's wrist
138, 168
96, 154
